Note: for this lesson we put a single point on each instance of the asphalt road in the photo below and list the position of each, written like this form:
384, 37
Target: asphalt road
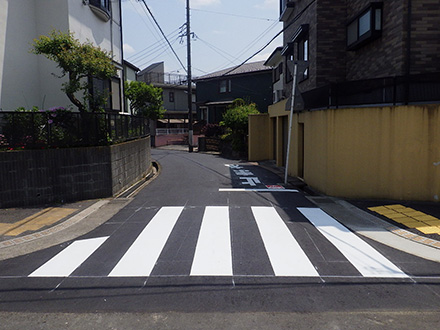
210, 242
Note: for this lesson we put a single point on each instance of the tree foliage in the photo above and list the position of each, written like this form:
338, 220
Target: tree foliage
236, 120
78, 61
146, 100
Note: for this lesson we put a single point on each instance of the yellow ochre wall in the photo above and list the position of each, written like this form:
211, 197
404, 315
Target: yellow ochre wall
259, 125
381, 152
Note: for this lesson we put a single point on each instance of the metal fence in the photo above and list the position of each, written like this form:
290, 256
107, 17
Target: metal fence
54, 129
171, 131
398, 90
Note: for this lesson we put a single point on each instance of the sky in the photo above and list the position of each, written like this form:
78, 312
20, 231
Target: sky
226, 32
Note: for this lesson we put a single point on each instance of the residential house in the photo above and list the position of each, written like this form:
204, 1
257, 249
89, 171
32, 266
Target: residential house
275, 61
366, 124
175, 94
28, 80
174, 126
216, 91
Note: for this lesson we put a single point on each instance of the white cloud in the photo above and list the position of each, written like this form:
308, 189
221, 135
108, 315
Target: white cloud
268, 4
128, 49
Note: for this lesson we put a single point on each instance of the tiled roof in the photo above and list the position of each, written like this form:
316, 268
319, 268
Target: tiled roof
245, 68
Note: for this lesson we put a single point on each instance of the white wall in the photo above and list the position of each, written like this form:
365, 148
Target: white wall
51, 15
31, 80
3, 21
19, 68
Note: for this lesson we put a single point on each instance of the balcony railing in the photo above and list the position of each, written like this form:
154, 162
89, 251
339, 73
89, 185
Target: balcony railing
164, 78
102, 8
423, 88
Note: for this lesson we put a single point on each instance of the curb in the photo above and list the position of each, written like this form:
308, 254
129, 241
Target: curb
57, 228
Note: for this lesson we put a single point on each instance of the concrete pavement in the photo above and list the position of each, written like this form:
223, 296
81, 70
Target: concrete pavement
24, 231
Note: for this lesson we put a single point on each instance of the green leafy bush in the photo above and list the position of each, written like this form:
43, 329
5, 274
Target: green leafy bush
235, 120
146, 100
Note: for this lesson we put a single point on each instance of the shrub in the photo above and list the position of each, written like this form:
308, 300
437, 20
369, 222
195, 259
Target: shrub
212, 130
235, 119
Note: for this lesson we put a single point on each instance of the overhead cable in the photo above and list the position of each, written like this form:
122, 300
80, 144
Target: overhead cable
235, 15
163, 34
276, 36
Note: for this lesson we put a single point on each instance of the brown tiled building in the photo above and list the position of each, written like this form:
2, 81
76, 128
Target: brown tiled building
368, 121
352, 40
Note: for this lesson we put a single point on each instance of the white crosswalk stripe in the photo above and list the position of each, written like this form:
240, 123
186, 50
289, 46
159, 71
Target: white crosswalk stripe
65, 262
144, 252
364, 257
213, 253
285, 254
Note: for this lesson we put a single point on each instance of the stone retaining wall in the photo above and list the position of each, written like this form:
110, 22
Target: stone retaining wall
37, 177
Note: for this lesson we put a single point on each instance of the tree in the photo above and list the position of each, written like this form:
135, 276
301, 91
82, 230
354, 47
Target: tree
146, 100
78, 61
236, 120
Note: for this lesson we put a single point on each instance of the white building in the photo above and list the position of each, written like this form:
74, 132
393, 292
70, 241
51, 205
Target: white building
30, 80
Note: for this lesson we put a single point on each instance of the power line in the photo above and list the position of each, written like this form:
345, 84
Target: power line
152, 48
234, 15
163, 34
219, 51
147, 23
265, 46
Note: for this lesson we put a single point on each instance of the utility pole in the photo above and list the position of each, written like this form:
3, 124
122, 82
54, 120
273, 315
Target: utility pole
190, 114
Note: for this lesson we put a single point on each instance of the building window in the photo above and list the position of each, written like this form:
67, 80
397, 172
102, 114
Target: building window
365, 27
99, 90
225, 86
277, 72
116, 94
303, 55
297, 50
171, 97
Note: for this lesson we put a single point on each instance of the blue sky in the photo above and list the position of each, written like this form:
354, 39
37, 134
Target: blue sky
227, 32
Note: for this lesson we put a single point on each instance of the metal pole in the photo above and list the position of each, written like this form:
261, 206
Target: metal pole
190, 115
292, 104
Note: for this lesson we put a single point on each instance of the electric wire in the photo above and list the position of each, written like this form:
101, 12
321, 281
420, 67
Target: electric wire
159, 55
250, 45
152, 48
163, 34
267, 44
234, 15
220, 51
147, 23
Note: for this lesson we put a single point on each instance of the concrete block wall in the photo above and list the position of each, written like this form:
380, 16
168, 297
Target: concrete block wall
38, 177
130, 161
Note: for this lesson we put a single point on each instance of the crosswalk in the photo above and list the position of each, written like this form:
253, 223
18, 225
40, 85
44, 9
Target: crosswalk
214, 254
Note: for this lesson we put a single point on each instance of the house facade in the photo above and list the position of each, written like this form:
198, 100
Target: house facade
175, 94
28, 80
275, 61
216, 91
366, 113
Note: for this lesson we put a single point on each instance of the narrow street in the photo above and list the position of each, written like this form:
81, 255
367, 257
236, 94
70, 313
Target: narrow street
212, 235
